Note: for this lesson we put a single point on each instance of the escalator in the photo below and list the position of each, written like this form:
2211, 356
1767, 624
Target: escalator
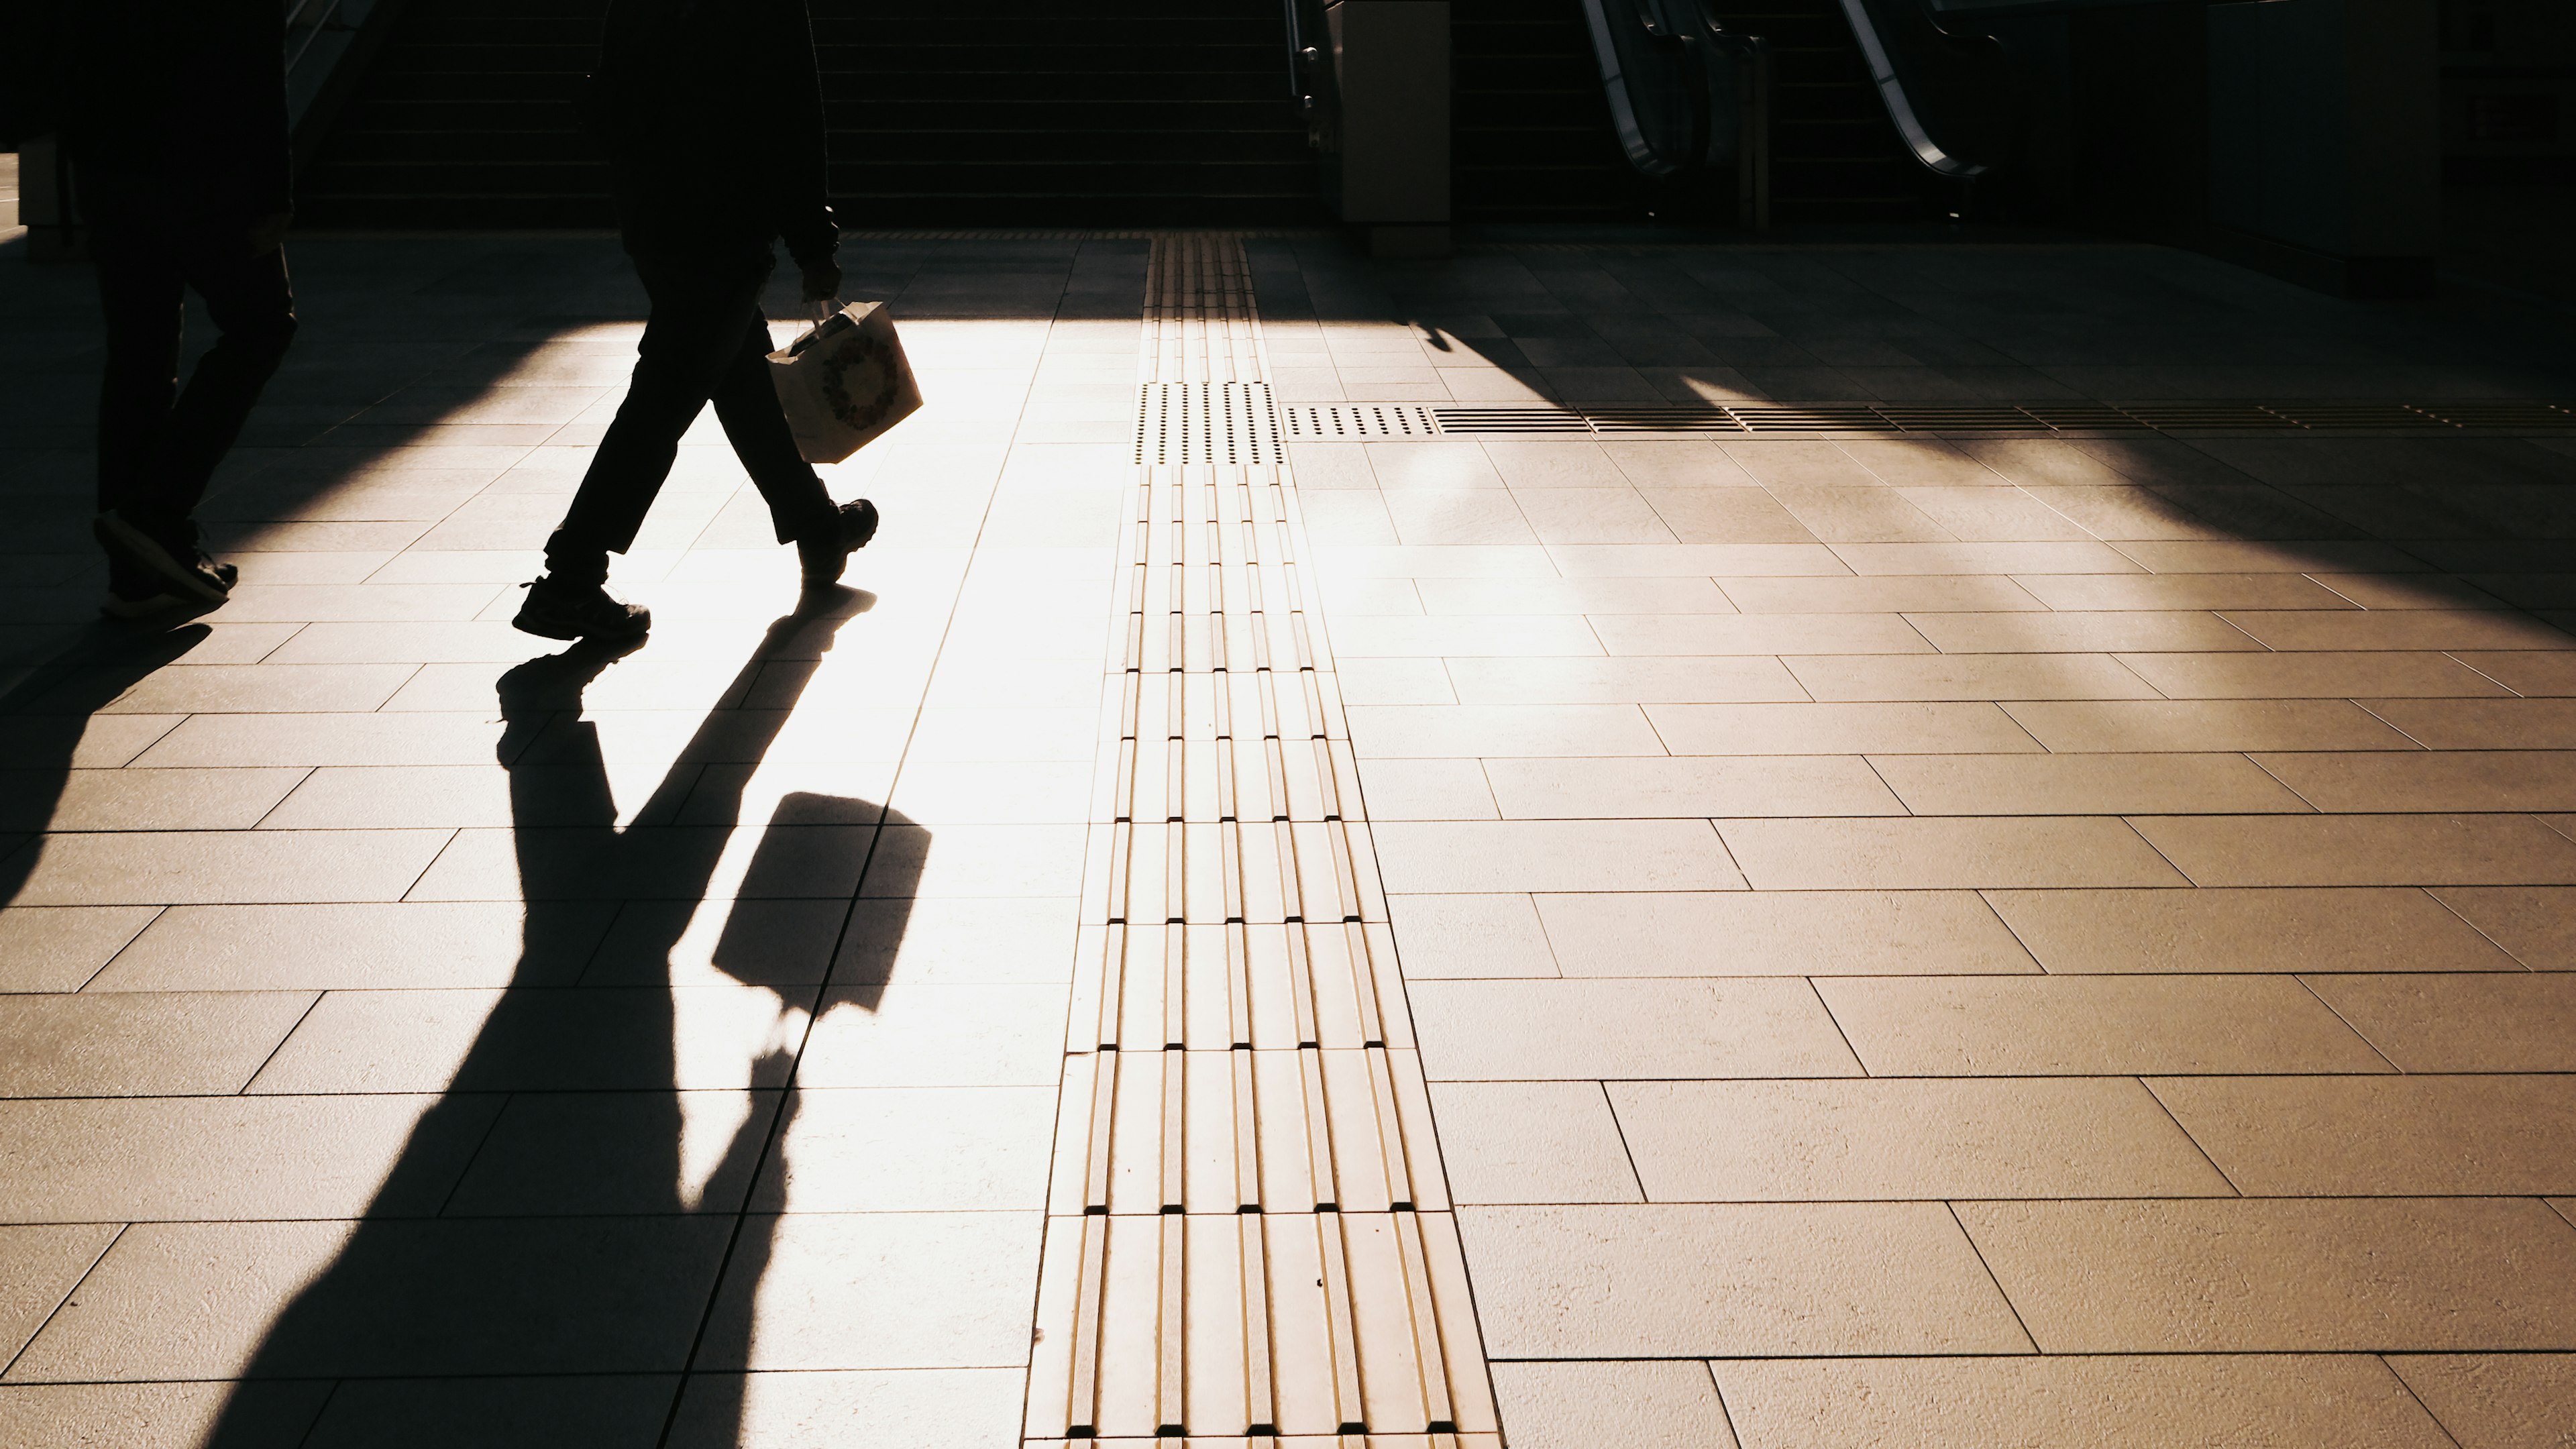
942, 113
1864, 111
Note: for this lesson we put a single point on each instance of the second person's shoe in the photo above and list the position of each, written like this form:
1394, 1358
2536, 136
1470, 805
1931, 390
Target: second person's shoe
567, 611
175, 563
827, 552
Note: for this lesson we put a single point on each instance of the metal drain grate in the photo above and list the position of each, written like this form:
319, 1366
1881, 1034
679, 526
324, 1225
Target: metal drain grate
1347, 422
2037, 418
1206, 422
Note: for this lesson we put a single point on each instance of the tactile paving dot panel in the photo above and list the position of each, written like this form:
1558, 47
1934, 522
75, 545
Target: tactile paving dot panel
1249, 1238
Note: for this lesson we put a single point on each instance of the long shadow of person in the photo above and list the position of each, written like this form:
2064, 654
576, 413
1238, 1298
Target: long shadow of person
541, 1265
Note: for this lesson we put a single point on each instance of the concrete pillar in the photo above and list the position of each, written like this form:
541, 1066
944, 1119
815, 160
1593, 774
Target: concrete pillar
2325, 160
1391, 67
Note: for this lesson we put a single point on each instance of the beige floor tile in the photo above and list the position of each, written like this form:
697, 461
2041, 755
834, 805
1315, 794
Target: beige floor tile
58, 948
1572, 1030
1869, 634
2103, 784
2091, 1025
660, 862
1716, 560
2092, 1402
1509, 635
1457, 516
124, 1045
1981, 513
374, 945
1677, 465
158, 1415
1458, 463
1984, 558
1437, 731
881, 1290
2548, 672
1688, 1280
1778, 933
333, 739
589, 1410
1814, 464
1969, 676
1920, 462
1395, 681
973, 861
860, 1409
2183, 591
1560, 596
1551, 463
2217, 929
944, 1149
1687, 786
1634, 1404
1598, 514
2496, 1401
1451, 937
1905, 1140
992, 941
1933, 854
266, 689
993, 792
1810, 729
2483, 724
1429, 790
2511, 1022
1531, 1142
40, 1265
234, 799
183, 1158
2536, 923
1427, 857
2250, 724
1621, 681
2354, 675
2383, 1136
913, 1034
1704, 514
558, 1154
2363, 849
2486, 780
1938, 593
349, 797
235, 867
2348, 1275
409, 1298
1869, 512
2400, 629
2233, 556
2074, 632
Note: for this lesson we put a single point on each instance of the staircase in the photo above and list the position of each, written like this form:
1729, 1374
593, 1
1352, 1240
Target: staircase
1534, 140
942, 112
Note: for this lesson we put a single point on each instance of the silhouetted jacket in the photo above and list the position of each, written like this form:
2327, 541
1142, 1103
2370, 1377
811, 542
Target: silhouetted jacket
712, 117
189, 92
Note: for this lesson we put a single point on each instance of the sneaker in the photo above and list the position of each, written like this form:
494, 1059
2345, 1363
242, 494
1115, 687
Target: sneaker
828, 553
183, 570
564, 611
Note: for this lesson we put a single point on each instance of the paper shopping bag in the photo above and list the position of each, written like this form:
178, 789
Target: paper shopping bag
844, 382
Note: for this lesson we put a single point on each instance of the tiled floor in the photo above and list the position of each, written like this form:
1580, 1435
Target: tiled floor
1911, 941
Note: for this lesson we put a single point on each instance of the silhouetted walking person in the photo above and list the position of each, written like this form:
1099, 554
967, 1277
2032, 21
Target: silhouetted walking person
713, 119
174, 114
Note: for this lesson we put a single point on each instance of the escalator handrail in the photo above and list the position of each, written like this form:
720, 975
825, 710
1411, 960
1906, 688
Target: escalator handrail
1698, 30
1900, 106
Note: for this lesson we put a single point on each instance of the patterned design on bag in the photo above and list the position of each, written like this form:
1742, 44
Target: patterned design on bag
871, 356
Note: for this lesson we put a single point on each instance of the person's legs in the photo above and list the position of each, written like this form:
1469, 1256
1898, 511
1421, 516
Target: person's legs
702, 300
140, 295
746, 402
253, 305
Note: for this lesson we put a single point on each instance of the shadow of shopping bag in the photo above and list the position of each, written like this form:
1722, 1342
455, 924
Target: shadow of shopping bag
844, 382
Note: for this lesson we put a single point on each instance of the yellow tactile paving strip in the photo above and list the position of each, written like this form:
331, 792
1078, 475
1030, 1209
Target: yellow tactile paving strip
1248, 1237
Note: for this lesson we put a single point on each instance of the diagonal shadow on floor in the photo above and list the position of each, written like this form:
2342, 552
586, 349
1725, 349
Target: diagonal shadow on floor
555, 1248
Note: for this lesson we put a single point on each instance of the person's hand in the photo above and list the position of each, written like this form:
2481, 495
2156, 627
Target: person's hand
269, 232
822, 281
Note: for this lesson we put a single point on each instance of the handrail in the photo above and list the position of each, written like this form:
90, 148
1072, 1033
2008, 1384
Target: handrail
312, 31
1726, 89
1900, 106
1310, 75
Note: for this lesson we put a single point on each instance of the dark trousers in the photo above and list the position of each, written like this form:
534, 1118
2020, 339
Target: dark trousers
158, 445
705, 341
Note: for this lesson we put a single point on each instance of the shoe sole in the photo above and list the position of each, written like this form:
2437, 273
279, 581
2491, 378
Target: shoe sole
815, 581
136, 547
548, 631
